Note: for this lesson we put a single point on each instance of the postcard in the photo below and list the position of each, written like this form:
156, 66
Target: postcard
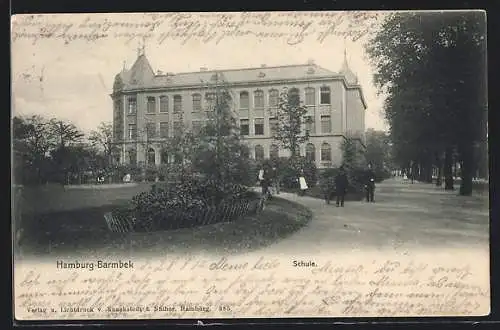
223, 165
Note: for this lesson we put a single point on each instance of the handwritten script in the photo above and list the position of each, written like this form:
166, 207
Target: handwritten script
193, 287
291, 27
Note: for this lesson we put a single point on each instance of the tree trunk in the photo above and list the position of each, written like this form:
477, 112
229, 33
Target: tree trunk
447, 170
439, 172
466, 169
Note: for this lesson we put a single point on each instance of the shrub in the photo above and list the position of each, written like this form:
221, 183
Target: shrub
289, 171
188, 202
355, 178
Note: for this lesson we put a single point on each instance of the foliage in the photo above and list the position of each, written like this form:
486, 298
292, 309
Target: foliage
290, 119
432, 67
188, 200
355, 179
102, 138
289, 171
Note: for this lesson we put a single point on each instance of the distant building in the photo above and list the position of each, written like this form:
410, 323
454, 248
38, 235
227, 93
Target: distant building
154, 106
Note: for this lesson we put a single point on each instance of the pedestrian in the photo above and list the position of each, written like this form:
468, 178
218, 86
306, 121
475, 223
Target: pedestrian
302, 183
370, 184
265, 183
341, 184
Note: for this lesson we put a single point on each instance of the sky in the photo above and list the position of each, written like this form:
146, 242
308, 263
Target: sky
67, 76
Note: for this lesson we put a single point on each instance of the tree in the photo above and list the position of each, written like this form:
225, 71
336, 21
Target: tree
431, 66
102, 138
33, 140
378, 149
291, 116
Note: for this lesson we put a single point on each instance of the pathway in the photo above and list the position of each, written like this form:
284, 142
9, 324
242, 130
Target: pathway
403, 215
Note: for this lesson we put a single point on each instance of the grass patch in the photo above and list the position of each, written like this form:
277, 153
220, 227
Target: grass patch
84, 232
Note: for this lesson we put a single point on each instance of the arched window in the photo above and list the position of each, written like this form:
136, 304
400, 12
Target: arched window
310, 152
151, 104
326, 152
163, 103
293, 96
274, 152
258, 99
244, 100
177, 103
196, 102
259, 152
164, 156
273, 98
151, 156
310, 96
325, 97
132, 157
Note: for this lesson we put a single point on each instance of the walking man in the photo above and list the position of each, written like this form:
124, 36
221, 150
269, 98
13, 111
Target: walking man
370, 184
341, 184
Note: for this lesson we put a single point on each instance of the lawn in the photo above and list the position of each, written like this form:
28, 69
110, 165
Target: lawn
79, 228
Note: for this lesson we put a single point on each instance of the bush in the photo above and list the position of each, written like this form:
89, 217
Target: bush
189, 202
289, 171
355, 178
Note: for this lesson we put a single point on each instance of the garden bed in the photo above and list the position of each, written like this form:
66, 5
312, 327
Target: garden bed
183, 216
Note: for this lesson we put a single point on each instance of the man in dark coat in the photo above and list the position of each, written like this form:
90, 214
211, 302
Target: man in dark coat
370, 184
341, 184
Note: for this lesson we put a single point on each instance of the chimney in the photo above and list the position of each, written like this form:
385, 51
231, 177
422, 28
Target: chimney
263, 65
203, 69
310, 61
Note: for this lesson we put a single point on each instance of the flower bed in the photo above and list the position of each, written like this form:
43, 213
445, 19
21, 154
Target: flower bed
184, 204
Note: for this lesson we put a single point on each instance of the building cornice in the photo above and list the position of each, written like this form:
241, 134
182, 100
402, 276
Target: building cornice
249, 83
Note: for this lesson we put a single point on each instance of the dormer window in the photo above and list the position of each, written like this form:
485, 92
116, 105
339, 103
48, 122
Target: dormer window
262, 74
310, 71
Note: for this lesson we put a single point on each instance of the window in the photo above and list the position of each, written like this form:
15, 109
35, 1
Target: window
164, 156
210, 99
177, 128
132, 157
273, 126
309, 123
163, 103
197, 125
150, 130
244, 127
273, 98
274, 152
258, 99
132, 131
310, 96
326, 152
196, 102
132, 105
259, 126
259, 152
151, 156
294, 96
177, 103
151, 105
310, 152
326, 124
244, 100
164, 129
325, 95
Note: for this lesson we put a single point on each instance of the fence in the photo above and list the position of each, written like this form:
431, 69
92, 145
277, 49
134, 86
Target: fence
184, 218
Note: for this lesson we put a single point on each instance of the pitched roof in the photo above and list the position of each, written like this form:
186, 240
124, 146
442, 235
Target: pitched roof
141, 75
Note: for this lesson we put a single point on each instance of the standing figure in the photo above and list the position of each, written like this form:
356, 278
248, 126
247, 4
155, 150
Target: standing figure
302, 183
264, 182
341, 184
370, 184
